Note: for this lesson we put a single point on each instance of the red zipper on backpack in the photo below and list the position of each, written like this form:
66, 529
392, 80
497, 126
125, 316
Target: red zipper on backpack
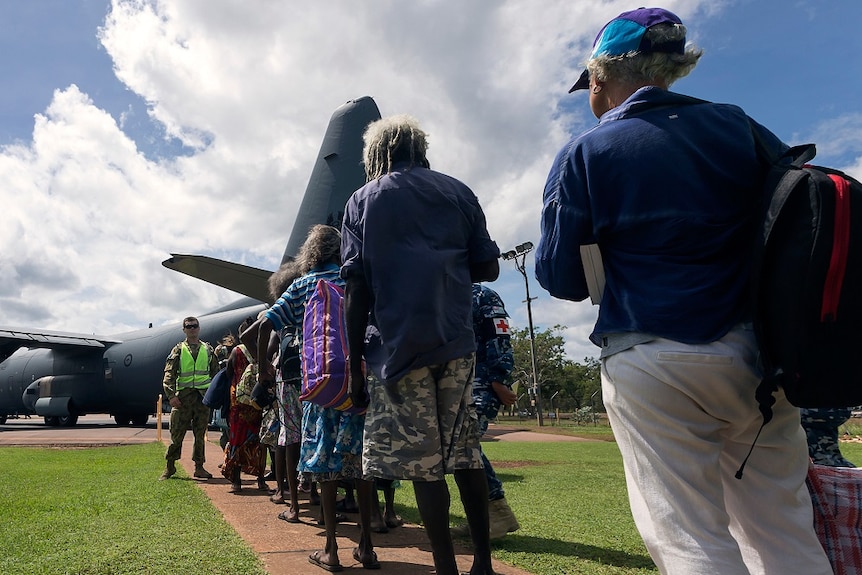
840, 246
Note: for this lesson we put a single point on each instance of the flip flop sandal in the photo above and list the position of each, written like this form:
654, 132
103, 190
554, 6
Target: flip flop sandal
372, 563
314, 559
285, 516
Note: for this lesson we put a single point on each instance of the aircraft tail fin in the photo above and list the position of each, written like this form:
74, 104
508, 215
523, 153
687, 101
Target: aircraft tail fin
337, 173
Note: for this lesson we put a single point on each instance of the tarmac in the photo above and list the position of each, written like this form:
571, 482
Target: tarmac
283, 547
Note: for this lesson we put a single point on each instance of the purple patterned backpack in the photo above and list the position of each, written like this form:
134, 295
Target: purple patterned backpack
324, 349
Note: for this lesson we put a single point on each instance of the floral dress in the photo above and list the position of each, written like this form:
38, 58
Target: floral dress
243, 448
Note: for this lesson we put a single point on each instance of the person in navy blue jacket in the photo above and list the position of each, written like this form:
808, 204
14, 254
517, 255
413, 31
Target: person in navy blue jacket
492, 387
668, 187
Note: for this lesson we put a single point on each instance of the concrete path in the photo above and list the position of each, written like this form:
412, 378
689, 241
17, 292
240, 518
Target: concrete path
283, 547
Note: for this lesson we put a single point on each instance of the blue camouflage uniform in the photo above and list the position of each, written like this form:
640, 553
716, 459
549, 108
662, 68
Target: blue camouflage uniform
494, 362
821, 426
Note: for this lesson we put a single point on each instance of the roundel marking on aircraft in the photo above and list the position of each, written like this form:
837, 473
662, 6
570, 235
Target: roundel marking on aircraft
127, 361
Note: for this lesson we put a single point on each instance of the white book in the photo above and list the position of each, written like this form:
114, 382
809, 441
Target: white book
594, 271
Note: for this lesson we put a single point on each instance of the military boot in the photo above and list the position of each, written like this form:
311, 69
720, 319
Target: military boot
170, 469
202, 473
501, 519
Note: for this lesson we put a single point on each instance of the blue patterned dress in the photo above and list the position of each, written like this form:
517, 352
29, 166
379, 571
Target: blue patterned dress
331, 440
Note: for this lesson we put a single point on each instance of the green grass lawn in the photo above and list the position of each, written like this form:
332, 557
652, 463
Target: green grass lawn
570, 500
99, 512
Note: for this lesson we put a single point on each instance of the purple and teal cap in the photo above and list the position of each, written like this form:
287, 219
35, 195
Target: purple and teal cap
627, 33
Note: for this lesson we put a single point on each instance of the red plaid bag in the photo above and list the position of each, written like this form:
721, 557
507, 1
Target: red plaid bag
836, 493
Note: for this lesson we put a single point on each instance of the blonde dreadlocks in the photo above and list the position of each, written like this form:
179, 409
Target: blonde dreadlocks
391, 140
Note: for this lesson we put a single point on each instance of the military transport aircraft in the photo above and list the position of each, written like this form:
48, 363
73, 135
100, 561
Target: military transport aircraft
60, 376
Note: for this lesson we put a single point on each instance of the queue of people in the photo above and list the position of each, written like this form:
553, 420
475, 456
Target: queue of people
667, 186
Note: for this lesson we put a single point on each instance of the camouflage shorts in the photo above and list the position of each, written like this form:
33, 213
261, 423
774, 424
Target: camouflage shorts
423, 426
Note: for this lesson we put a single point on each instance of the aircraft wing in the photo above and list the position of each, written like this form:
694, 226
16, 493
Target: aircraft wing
13, 338
245, 280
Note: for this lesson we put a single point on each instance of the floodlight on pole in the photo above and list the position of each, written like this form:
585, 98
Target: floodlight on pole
519, 255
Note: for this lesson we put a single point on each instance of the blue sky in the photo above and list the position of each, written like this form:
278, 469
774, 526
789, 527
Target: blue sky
133, 129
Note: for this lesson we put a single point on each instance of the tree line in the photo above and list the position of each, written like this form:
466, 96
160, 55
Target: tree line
565, 384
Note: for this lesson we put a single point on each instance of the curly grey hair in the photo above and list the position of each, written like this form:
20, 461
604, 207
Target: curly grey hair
639, 68
391, 140
281, 279
322, 246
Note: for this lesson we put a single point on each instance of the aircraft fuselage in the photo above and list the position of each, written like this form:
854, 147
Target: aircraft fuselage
60, 376
123, 380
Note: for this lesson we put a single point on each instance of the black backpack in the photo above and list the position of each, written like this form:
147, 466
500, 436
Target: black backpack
289, 361
806, 284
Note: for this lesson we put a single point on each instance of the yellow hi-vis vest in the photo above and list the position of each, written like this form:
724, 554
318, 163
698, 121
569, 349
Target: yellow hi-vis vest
193, 373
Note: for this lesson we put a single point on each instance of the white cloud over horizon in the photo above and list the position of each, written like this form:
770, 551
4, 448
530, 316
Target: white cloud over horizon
248, 89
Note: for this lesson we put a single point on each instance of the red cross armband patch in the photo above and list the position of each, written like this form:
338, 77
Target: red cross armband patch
501, 326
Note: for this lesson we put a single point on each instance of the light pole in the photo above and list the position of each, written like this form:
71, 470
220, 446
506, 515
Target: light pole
518, 255
555, 411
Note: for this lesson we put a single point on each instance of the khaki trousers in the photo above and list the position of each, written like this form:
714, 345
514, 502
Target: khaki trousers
192, 413
684, 417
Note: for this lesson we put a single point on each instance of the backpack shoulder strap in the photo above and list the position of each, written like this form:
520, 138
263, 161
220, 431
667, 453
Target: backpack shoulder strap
246, 352
795, 156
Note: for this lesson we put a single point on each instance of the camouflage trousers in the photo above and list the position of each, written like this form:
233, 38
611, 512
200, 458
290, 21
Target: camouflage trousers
424, 425
821, 429
192, 413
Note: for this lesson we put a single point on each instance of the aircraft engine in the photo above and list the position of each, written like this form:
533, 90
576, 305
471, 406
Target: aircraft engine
51, 397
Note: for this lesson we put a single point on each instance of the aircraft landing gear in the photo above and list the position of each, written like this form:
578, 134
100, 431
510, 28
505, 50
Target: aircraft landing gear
140, 420
134, 419
67, 420
61, 420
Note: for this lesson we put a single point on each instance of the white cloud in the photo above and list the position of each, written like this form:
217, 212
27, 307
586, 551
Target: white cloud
855, 169
839, 143
250, 87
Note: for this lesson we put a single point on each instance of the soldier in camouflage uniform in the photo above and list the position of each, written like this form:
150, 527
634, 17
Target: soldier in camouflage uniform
187, 377
491, 389
821, 426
